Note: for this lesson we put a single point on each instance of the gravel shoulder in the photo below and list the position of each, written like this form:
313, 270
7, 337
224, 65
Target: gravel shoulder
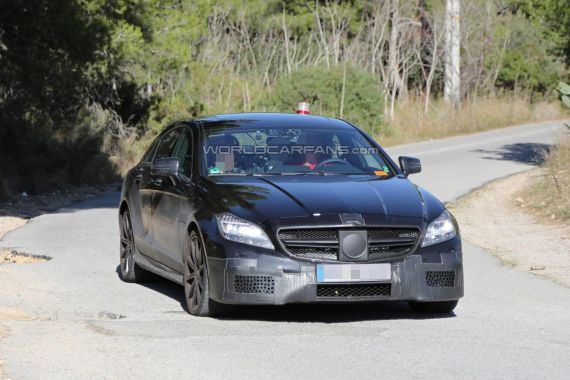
9, 223
494, 217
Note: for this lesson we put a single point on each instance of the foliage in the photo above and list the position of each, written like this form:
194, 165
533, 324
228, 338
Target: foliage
554, 14
411, 124
549, 194
526, 60
564, 91
323, 89
84, 84
45, 47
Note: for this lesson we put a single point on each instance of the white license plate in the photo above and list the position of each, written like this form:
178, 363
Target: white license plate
354, 272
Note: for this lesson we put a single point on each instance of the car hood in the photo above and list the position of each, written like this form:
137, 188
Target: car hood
275, 197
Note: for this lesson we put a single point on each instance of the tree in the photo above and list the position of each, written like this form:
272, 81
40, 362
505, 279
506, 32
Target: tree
452, 89
46, 48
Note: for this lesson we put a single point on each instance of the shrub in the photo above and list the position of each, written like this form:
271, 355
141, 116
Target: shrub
323, 88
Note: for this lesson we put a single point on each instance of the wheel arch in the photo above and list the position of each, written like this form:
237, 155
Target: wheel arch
123, 207
195, 226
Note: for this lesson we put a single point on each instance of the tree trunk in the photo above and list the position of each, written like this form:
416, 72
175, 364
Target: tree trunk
393, 69
452, 89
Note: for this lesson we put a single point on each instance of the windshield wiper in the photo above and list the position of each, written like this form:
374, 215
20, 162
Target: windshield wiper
235, 174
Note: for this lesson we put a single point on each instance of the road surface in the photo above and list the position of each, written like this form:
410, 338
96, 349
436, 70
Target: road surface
86, 323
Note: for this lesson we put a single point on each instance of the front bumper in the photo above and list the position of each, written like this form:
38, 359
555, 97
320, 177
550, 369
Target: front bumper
431, 274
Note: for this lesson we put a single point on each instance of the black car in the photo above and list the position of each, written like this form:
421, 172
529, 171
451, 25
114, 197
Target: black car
284, 208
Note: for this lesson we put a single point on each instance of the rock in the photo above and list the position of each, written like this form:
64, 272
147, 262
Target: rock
24, 195
537, 267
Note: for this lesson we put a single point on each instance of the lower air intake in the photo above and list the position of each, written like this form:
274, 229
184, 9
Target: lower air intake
440, 279
254, 284
354, 290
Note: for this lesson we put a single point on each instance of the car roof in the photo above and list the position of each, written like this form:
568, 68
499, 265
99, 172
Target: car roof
271, 120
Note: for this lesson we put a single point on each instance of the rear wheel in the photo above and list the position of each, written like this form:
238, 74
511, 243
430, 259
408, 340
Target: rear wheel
439, 307
196, 280
130, 271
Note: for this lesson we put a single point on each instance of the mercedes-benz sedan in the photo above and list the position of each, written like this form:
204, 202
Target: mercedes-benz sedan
285, 208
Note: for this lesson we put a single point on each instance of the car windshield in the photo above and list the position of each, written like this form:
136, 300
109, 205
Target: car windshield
290, 151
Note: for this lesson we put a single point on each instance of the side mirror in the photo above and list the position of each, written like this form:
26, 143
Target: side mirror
410, 165
165, 166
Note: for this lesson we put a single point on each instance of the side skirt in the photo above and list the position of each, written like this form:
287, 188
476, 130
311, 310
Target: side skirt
155, 267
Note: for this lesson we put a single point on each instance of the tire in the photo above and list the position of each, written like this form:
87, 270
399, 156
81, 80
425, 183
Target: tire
196, 281
439, 307
130, 271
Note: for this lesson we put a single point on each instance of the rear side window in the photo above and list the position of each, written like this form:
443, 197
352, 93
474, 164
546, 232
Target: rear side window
183, 151
150, 153
166, 145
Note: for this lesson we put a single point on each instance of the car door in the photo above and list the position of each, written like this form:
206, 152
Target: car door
149, 186
140, 196
172, 205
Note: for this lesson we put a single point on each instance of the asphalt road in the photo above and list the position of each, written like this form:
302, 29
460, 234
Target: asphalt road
86, 323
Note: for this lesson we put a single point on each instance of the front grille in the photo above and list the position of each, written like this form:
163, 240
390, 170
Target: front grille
254, 284
328, 234
315, 252
440, 279
384, 243
384, 253
354, 290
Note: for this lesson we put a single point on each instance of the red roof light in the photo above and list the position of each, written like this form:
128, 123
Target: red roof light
303, 108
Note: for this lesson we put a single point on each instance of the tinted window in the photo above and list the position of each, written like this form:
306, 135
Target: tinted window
308, 150
166, 146
150, 153
183, 151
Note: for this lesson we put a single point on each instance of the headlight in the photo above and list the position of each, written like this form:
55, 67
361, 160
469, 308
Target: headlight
440, 230
236, 229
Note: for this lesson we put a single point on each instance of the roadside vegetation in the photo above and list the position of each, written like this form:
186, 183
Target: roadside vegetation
86, 84
549, 194
410, 124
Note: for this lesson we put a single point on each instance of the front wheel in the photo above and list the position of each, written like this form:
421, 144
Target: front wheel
196, 281
129, 270
438, 307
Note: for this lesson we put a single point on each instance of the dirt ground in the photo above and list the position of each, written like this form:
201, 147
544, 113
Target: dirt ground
4, 332
7, 256
10, 256
9, 223
495, 218
29, 206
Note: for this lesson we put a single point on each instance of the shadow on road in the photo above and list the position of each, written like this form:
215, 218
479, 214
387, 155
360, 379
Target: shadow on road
524, 153
163, 286
330, 313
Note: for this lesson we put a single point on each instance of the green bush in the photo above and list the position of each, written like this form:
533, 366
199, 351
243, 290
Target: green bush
526, 56
322, 88
564, 91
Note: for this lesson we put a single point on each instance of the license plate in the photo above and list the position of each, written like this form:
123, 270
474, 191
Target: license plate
354, 272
